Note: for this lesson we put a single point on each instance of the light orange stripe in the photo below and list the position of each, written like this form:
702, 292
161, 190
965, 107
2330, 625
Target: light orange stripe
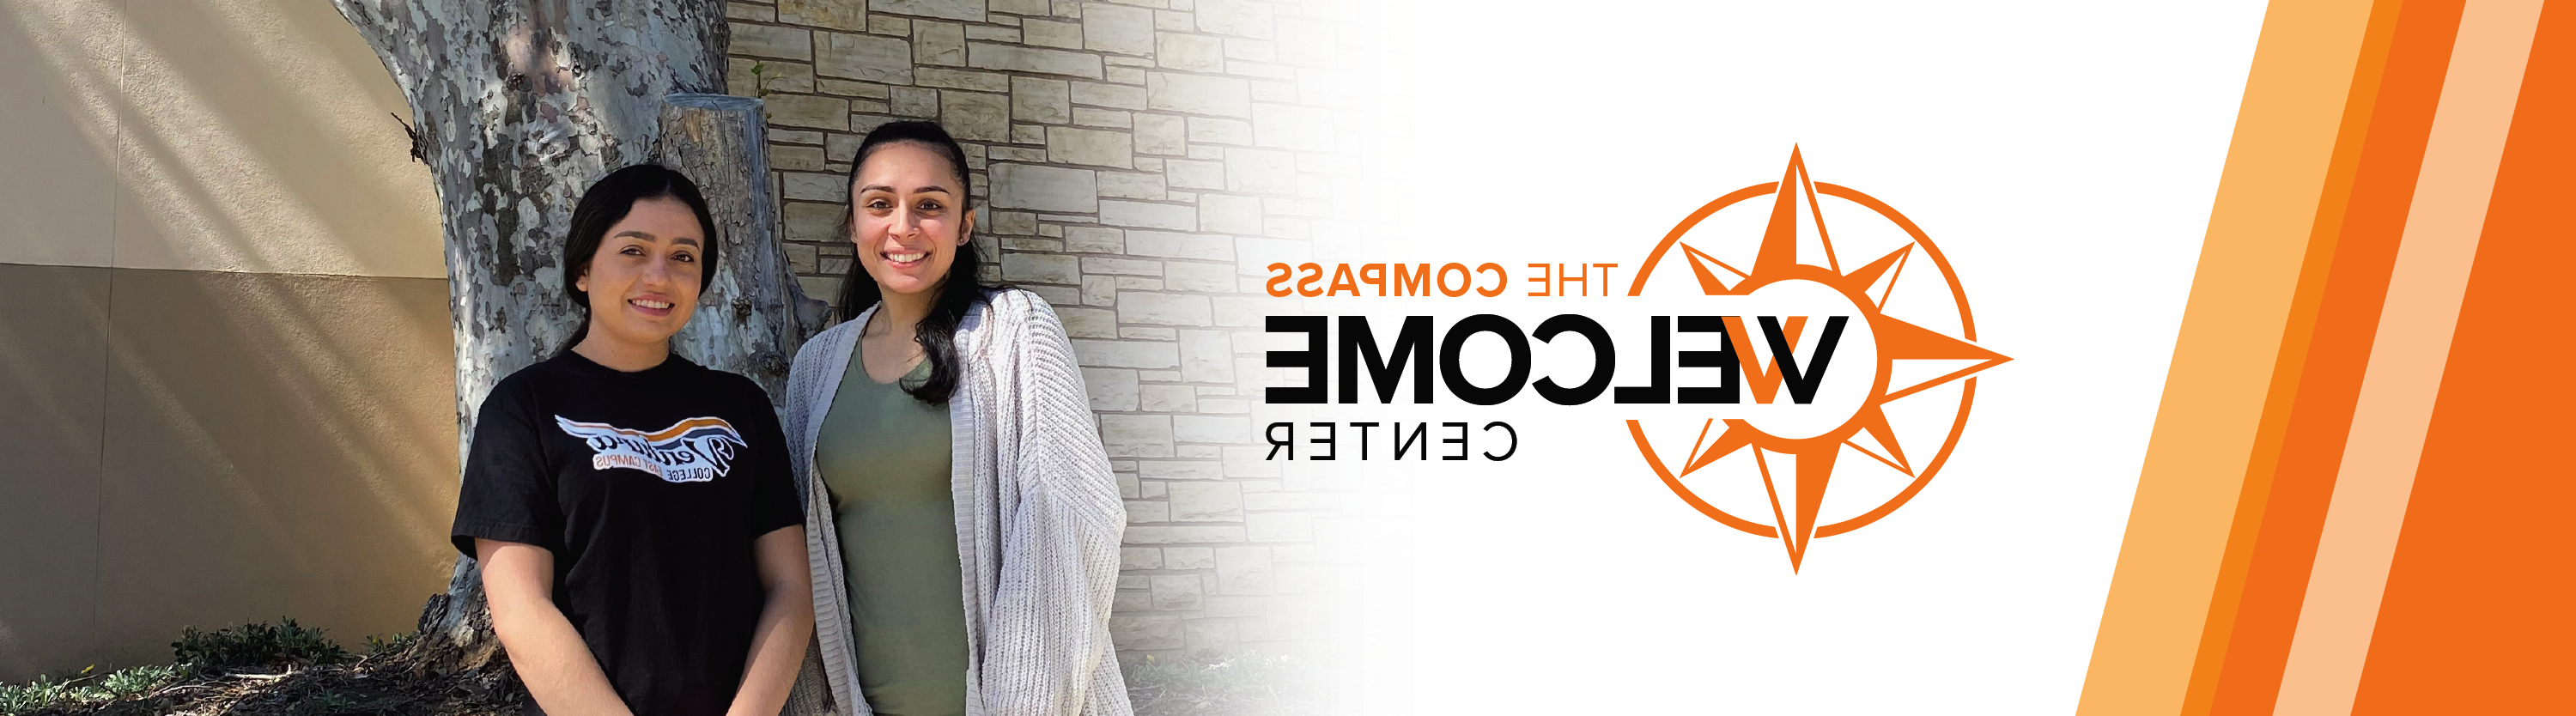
2476, 617
2406, 361
2248, 673
2290, 368
2224, 359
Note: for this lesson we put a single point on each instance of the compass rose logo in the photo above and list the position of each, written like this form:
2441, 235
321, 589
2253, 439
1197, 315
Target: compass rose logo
1919, 379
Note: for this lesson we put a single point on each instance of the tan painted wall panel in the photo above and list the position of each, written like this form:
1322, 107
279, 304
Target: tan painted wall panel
241, 135
273, 445
57, 109
53, 370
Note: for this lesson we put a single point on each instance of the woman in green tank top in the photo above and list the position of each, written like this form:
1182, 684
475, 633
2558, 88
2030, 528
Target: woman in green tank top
948, 588
884, 457
884, 454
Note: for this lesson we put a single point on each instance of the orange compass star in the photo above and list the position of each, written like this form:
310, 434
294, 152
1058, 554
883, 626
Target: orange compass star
1776, 259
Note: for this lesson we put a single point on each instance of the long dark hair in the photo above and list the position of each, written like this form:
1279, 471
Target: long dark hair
958, 291
604, 204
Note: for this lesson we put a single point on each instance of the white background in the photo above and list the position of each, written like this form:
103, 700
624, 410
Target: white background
2063, 155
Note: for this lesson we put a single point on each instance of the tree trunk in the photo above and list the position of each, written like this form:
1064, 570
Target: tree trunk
752, 316
518, 107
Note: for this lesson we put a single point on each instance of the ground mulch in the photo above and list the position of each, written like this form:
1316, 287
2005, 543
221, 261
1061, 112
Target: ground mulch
409, 682
423, 680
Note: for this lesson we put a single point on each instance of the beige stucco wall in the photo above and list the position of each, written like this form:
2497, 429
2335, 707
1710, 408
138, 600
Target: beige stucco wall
209, 135
225, 380
205, 448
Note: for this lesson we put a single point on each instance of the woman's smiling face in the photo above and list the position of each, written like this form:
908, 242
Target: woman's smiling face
908, 217
644, 280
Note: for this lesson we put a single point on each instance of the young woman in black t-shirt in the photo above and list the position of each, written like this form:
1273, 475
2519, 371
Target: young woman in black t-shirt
640, 535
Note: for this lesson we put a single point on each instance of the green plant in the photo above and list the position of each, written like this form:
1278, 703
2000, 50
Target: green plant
759, 85
329, 703
48, 692
137, 681
257, 647
391, 644
44, 692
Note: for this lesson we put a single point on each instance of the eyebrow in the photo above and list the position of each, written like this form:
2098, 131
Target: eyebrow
649, 237
889, 189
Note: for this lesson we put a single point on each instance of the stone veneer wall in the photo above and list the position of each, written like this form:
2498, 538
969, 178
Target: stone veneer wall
1137, 163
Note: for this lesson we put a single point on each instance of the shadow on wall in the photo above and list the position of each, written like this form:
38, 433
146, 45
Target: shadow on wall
224, 448
242, 135
231, 397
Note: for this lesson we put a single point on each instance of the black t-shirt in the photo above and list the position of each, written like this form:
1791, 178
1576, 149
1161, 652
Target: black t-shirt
649, 488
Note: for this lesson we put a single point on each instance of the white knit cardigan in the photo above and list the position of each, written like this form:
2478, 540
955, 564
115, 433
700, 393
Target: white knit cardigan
1038, 520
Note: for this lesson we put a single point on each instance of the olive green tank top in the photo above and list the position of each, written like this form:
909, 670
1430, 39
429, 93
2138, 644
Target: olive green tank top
884, 456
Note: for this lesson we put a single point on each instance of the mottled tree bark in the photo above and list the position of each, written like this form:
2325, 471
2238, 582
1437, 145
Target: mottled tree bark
752, 316
519, 107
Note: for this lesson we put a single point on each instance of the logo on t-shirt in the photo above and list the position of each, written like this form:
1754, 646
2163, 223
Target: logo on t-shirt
692, 450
